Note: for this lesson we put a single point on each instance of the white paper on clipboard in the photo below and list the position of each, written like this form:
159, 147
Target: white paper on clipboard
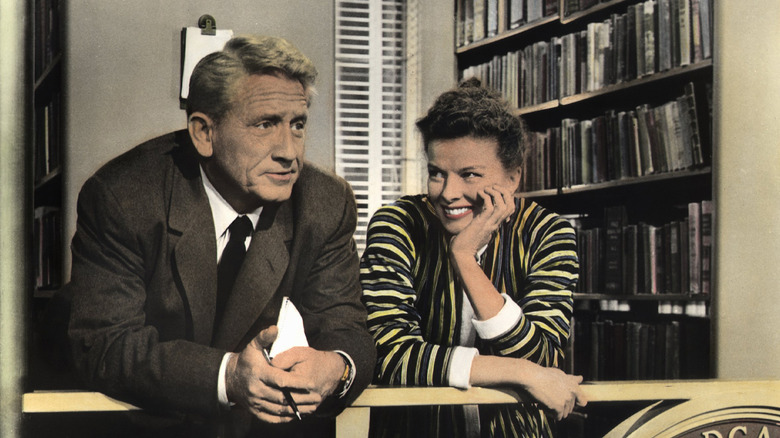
196, 46
291, 333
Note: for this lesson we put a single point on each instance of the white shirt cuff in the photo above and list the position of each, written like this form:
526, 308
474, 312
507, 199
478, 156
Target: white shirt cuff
505, 320
350, 377
221, 384
460, 367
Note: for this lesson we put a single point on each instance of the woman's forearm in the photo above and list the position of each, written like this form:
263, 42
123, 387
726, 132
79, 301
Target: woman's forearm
484, 297
551, 387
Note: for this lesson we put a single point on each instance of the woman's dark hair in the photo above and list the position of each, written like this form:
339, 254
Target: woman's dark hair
474, 110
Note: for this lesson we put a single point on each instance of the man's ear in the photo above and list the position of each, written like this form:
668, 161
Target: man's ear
201, 128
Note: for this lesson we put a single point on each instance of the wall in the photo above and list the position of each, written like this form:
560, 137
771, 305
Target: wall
123, 65
747, 189
431, 69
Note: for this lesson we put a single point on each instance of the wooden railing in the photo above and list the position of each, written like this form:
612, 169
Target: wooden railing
354, 421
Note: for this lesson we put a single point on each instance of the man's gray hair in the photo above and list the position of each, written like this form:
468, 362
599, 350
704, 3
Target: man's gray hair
213, 81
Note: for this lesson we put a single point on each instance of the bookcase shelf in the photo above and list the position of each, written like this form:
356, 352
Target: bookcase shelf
621, 147
47, 371
508, 35
641, 297
675, 73
49, 75
580, 15
49, 179
646, 179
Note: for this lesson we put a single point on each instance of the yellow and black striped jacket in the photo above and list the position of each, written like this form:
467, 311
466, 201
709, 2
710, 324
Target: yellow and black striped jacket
414, 309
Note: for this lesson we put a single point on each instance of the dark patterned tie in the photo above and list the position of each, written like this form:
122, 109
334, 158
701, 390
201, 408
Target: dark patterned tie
230, 263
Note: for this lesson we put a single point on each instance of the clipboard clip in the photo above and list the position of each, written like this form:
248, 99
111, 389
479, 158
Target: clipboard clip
207, 25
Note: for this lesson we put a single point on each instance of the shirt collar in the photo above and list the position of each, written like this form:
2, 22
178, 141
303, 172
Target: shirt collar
222, 213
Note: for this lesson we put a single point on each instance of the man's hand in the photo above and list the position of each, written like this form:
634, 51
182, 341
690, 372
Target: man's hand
320, 370
256, 385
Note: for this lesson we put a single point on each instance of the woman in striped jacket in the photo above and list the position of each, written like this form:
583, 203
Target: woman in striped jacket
469, 285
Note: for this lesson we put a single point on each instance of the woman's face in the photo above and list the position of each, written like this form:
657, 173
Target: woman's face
458, 171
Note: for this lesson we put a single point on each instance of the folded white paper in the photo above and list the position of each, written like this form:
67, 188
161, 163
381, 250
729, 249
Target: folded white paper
291, 332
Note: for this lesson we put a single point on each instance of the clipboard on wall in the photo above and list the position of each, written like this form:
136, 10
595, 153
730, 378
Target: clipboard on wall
197, 42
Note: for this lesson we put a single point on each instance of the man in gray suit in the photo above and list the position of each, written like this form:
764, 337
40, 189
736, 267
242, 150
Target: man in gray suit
152, 321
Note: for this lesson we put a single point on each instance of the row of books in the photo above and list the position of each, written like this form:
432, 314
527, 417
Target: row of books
47, 33
620, 258
699, 309
651, 37
573, 6
48, 135
637, 350
47, 248
620, 144
479, 19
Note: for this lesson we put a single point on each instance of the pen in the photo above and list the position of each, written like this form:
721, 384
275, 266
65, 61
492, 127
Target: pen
285, 391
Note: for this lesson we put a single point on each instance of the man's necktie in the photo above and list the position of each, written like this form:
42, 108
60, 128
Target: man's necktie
230, 263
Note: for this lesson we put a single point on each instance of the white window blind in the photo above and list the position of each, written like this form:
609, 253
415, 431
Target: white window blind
370, 96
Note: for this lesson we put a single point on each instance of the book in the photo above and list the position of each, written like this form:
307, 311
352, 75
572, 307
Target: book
690, 117
637, 165
479, 25
664, 35
620, 47
460, 23
705, 23
683, 285
645, 142
650, 49
570, 7
684, 26
614, 221
491, 17
696, 47
672, 350
631, 43
550, 7
534, 10
674, 256
625, 148
639, 30
630, 260
468, 27
516, 13
707, 220
47, 248
674, 24
694, 247
633, 344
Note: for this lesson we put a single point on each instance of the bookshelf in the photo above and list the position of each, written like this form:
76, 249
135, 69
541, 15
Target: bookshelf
618, 96
47, 370
47, 137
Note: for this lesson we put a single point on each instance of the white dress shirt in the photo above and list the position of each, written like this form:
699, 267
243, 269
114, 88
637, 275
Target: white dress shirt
224, 215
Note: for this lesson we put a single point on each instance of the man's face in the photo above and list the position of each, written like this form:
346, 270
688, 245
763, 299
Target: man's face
258, 147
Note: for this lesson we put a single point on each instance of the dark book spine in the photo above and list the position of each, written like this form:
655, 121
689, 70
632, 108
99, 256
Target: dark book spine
706, 246
615, 220
630, 260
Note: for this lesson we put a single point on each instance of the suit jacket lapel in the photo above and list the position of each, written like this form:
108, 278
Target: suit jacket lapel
261, 274
194, 258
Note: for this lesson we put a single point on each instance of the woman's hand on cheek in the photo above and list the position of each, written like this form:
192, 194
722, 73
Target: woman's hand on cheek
498, 203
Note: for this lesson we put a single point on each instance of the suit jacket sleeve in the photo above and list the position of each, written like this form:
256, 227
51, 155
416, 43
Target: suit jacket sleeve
333, 314
115, 349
